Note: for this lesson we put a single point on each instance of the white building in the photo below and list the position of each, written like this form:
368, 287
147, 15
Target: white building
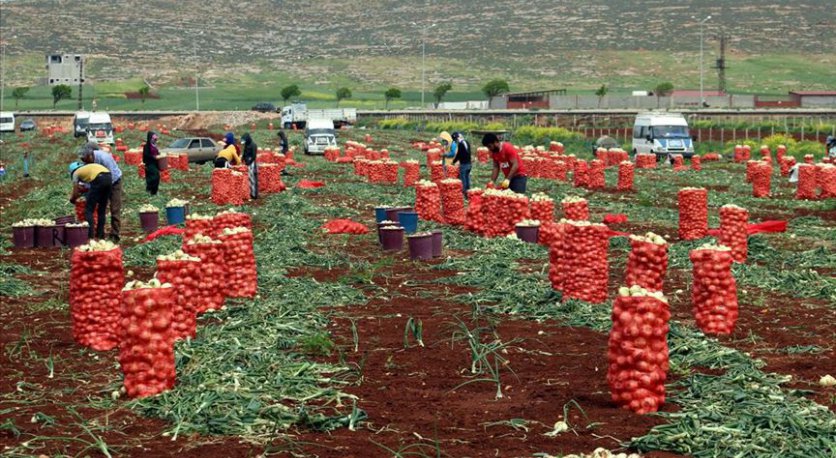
64, 69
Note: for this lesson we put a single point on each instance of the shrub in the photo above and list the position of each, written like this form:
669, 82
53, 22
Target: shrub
534, 135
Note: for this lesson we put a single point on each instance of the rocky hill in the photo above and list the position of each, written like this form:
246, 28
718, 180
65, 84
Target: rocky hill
159, 34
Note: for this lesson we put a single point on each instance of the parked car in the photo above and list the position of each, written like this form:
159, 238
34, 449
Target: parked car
27, 124
264, 107
199, 149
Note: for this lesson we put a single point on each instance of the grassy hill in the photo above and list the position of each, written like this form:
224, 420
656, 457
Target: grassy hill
248, 51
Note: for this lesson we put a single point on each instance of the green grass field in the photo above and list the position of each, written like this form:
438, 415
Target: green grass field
369, 77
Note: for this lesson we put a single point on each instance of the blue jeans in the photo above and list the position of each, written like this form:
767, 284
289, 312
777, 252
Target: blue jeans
518, 184
464, 175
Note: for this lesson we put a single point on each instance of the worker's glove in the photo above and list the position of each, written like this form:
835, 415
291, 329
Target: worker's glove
505, 184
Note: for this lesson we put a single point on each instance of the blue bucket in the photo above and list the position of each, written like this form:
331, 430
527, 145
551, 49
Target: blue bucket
175, 215
380, 213
409, 221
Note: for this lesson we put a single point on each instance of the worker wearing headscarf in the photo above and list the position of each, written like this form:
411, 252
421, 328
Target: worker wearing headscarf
449, 150
149, 158
229, 138
249, 156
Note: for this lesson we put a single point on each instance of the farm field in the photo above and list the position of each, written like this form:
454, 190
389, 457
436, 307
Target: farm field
348, 350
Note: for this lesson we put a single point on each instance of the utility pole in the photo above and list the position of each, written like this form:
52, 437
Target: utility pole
80, 81
2, 73
423, 58
702, 95
720, 64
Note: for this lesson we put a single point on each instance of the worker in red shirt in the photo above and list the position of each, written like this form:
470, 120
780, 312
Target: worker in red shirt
505, 158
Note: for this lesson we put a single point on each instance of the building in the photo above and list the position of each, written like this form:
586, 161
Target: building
64, 69
525, 100
813, 99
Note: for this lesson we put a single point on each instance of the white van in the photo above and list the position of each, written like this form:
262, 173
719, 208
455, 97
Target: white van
662, 134
7, 121
319, 134
99, 128
80, 121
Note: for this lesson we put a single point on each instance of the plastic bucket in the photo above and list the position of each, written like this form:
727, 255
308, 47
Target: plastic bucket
75, 236
149, 221
437, 243
380, 232
528, 233
380, 213
392, 238
409, 221
45, 237
392, 213
420, 245
175, 215
23, 237
162, 162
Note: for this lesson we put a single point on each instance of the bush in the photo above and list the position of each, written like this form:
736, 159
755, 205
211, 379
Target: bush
396, 123
534, 135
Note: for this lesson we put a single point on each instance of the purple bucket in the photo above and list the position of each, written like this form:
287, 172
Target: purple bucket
45, 237
380, 226
75, 236
162, 163
392, 238
23, 237
528, 233
420, 245
436, 243
149, 221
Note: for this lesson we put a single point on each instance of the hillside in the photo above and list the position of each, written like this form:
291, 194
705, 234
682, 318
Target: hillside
373, 42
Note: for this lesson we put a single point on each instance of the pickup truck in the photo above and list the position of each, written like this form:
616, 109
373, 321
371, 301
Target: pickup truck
199, 149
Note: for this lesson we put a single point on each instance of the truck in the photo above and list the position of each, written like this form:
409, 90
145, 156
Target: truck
319, 134
100, 128
7, 121
662, 134
80, 121
298, 114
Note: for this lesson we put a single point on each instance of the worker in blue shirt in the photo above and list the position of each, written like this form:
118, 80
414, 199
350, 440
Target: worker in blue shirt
92, 153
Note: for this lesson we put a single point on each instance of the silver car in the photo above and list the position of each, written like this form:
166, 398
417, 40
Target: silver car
199, 149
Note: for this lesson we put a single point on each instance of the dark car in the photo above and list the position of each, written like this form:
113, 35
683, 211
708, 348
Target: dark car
264, 107
27, 124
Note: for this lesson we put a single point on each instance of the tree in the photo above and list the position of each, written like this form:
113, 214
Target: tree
342, 94
601, 92
440, 91
391, 93
663, 90
19, 93
288, 92
495, 87
60, 92
143, 93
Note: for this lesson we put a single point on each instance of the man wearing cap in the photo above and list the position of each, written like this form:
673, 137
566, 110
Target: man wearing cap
505, 158
98, 178
91, 153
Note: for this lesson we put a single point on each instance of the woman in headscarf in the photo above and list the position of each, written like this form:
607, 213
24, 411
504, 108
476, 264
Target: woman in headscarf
449, 148
283, 146
250, 150
149, 158
229, 138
